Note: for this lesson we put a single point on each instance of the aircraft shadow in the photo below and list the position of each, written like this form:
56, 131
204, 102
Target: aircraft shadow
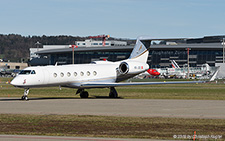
38, 98
52, 98
105, 97
10, 99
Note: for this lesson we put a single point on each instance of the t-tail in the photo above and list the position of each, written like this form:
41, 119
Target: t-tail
137, 62
140, 51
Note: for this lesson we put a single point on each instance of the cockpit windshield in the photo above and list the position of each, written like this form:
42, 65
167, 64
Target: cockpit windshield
26, 72
33, 72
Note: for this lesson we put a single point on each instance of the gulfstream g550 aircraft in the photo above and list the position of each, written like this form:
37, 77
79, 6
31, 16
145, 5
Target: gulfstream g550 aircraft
99, 74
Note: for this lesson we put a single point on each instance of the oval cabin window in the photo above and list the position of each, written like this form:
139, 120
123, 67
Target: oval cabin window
95, 73
88, 73
68, 74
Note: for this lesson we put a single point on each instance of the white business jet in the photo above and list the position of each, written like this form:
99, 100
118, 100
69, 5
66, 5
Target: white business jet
98, 74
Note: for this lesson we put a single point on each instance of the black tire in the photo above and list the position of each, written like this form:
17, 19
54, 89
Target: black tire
84, 94
113, 95
26, 98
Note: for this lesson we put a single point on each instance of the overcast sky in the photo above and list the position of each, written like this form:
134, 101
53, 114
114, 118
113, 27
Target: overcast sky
118, 18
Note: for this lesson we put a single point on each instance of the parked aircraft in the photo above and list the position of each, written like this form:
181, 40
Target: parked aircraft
195, 72
153, 72
147, 74
6, 73
98, 74
174, 64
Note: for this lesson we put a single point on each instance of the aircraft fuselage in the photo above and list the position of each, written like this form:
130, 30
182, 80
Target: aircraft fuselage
73, 75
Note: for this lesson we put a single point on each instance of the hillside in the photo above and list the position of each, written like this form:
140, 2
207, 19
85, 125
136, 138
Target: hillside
15, 47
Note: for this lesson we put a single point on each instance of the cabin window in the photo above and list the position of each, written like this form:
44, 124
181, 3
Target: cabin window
61, 74
68, 74
95, 73
81, 73
75, 74
88, 73
25, 72
55, 74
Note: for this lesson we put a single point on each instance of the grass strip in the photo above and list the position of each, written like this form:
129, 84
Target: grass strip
175, 91
107, 126
206, 91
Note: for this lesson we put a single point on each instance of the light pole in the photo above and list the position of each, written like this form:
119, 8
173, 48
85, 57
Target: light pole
72, 46
223, 50
188, 49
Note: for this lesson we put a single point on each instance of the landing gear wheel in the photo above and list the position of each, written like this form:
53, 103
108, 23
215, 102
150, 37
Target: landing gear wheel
26, 92
26, 98
113, 93
84, 94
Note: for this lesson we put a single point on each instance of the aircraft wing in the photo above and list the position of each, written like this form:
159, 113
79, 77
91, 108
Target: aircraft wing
105, 84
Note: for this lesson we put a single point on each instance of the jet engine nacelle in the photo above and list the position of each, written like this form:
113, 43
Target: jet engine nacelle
123, 68
132, 68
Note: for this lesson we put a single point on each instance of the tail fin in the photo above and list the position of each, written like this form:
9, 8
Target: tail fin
140, 51
174, 64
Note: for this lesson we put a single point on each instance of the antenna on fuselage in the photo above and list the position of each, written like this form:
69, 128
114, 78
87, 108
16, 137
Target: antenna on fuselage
56, 63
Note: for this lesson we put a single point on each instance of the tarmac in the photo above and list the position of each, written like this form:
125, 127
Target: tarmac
63, 138
210, 109
213, 109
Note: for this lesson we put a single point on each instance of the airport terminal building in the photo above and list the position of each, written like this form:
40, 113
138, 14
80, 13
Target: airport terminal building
201, 51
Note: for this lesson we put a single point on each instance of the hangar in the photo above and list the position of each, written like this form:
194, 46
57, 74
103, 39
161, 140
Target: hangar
203, 50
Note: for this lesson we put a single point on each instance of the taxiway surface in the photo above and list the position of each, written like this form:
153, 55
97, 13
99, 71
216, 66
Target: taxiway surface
116, 107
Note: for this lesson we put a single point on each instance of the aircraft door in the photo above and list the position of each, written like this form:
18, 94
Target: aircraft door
45, 76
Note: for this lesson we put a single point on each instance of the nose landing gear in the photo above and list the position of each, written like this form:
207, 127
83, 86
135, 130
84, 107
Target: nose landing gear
26, 92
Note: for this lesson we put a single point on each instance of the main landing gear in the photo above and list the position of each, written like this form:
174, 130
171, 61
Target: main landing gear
113, 93
26, 92
84, 94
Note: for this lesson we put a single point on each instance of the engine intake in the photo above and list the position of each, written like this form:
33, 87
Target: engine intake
123, 68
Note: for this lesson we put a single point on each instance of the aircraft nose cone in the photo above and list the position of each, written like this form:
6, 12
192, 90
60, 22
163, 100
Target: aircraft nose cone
14, 82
